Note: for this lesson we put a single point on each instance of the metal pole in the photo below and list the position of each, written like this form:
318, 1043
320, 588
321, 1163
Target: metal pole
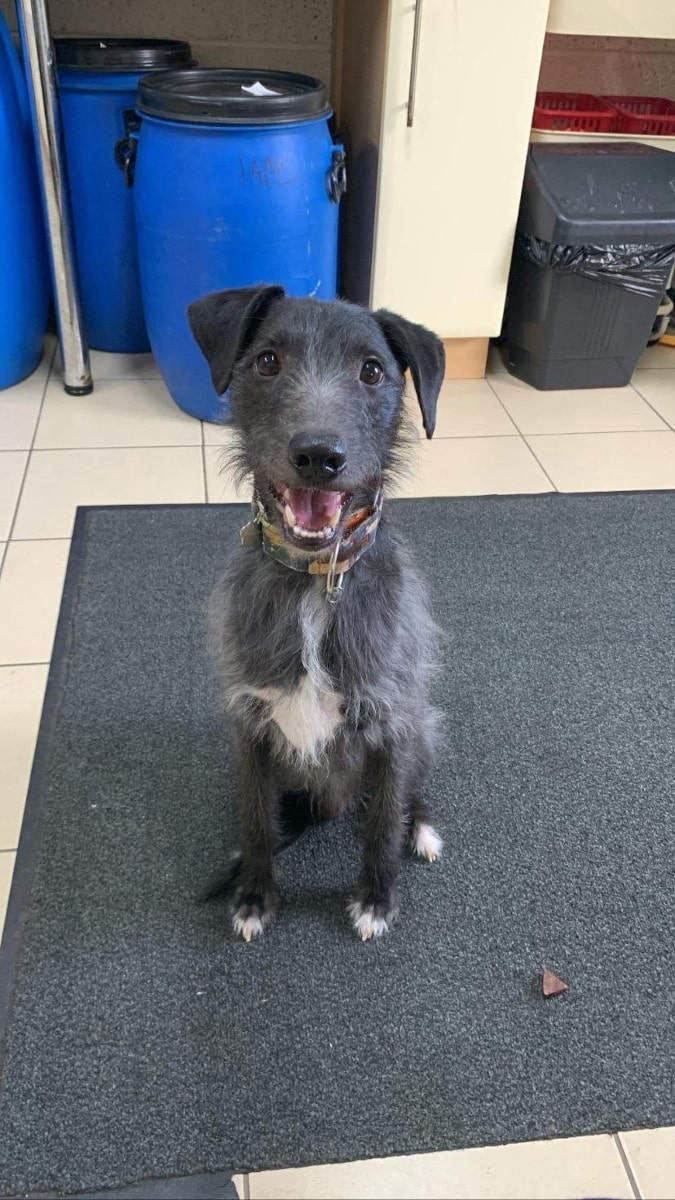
38, 54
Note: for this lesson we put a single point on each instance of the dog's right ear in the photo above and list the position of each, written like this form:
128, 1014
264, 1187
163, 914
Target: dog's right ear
223, 325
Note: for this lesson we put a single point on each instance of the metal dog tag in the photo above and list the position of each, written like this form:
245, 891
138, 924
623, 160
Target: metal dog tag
251, 534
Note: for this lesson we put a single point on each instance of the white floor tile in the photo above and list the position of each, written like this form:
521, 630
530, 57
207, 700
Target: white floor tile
555, 1170
657, 356
19, 410
6, 870
586, 410
466, 408
219, 485
474, 467
31, 584
608, 462
12, 467
651, 1153
21, 695
58, 480
119, 412
658, 389
217, 435
105, 365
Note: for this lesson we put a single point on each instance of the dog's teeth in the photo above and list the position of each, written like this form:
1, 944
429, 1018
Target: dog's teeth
289, 515
334, 519
285, 495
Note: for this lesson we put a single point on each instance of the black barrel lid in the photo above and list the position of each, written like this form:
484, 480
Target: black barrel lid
211, 96
122, 54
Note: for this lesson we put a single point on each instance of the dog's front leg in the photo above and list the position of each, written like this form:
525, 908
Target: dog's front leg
383, 836
256, 897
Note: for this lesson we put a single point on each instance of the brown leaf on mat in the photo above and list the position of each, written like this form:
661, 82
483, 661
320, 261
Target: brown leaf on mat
551, 985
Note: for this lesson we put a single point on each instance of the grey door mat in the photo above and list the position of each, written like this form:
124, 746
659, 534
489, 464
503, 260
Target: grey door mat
143, 1042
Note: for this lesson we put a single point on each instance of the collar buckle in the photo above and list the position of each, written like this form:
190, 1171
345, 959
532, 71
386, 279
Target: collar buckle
334, 579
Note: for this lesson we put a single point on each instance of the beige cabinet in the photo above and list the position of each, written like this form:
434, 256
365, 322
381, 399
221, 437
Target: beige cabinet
431, 212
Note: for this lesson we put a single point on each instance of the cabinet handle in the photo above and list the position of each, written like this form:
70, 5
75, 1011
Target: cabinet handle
413, 62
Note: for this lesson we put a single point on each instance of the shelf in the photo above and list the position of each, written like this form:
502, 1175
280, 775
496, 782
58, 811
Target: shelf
550, 135
613, 18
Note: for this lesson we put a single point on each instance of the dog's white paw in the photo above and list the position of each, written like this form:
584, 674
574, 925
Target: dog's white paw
425, 841
247, 926
365, 922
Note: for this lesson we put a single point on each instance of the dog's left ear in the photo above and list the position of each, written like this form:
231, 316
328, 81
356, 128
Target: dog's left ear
422, 353
224, 323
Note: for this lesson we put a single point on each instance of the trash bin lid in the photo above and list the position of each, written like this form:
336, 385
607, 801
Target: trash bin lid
601, 194
122, 54
212, 96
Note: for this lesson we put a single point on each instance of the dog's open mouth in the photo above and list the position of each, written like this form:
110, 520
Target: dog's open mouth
311, 517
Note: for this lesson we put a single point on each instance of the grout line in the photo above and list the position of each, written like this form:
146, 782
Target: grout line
627, 1166
133, 446
3, 665
50, 368
18, 541
499, 400
654, 410
206, 486
541, 465
449, 437
247, 1186
524, 439
601, 433
8, 850
28, 458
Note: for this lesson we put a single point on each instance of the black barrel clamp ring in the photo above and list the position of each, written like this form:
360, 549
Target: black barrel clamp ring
337, 175
126, 148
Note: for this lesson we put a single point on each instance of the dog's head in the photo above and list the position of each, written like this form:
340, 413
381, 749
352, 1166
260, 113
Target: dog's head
316, 397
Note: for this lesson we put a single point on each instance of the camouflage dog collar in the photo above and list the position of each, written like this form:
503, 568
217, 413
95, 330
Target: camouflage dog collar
358, 535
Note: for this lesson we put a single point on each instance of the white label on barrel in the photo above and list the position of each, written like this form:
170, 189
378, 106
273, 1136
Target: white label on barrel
259, 89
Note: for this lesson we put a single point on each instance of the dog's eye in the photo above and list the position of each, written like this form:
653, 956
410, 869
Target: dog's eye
372, 372
267, 363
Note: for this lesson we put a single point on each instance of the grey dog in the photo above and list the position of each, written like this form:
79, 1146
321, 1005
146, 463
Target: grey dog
324, 638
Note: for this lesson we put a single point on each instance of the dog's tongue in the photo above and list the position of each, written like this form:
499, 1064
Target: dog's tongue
312, 509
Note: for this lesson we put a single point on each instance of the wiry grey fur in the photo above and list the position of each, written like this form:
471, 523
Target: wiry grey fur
348, 679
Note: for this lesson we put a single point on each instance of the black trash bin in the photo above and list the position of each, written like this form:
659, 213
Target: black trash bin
594, 249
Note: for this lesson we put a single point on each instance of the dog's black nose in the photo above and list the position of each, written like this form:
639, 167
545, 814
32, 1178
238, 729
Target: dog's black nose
317, 457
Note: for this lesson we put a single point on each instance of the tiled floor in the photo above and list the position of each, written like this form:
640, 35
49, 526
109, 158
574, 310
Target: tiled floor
128, 444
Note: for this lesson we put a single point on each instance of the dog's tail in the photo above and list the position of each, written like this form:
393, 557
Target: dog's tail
296, 816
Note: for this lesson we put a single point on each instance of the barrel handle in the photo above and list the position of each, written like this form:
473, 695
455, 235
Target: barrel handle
337, 175
127, 147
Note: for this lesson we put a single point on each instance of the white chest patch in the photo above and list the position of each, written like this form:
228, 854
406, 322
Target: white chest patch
311, 712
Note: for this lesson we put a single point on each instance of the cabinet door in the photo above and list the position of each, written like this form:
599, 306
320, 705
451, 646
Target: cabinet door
449, 187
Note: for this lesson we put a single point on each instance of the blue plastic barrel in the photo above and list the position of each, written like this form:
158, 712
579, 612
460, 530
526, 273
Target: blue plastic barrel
25, 289
98, 81
237, 182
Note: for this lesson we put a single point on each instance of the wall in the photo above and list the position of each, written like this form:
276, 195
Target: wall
293, 35
610, 65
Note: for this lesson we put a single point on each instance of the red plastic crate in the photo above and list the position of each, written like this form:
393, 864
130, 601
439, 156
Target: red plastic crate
644, 114
574, 110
